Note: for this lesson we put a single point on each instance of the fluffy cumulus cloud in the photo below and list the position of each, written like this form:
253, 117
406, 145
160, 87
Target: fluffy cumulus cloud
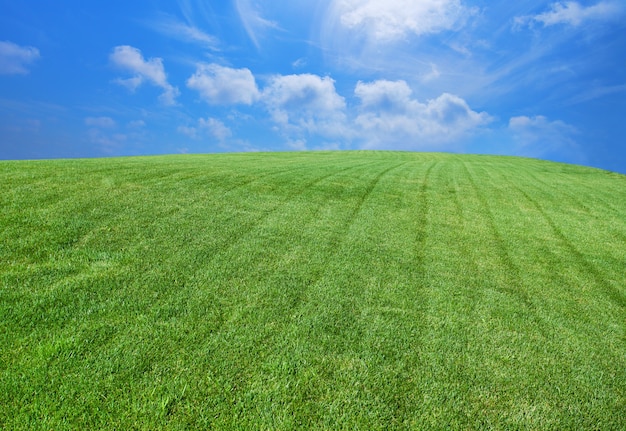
306, 103
391, 117
573, 13
384, 95
15, 59
386, 20
152, 70
224, 85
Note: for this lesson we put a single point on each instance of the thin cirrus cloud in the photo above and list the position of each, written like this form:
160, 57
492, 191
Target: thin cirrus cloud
538, 127
214, 127
15, 59
381, 36
537, 136
573, 13
152, 70
220, 85
253, 21
174, 28
100, 122
136, 124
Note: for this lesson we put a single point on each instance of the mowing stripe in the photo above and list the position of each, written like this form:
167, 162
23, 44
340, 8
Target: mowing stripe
513, 284
219, 264
588, 268
602, 201
611, 291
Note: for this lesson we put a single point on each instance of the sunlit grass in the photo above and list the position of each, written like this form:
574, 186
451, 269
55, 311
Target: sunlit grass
355, 290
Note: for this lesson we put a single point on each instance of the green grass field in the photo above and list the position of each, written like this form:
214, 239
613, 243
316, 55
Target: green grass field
330, 290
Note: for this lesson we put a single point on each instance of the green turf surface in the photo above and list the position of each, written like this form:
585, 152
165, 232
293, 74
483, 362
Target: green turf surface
331, 290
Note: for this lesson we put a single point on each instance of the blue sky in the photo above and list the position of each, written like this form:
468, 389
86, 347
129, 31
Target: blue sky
531, 78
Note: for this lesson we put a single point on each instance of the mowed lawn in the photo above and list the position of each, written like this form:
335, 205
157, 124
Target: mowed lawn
326, 290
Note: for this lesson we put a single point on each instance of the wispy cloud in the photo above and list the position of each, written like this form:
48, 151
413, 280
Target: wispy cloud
537, 136
215, 128
253, 21
224, 85
189, 131
151, 70
198, 10
396, 38
433, 74
100, 122
107, 143
539, 127
573, 13
597, 92
136, 124
174, 28
102, 133
14, 58
207, 126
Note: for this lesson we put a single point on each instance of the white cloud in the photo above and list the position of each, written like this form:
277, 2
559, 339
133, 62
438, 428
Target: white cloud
185, 32
306, 103
136, 124
539, 128
391, 117
224, 85
101, 133
189, 131
299, 63
101, 122
215, 128
252, 20
386, 20
433, 74
152, 70
574, 14
14, 59
387, 115
210, 126
131, 83
538, 137
307, 92
108, 143
597, 92
297, 145
384, 95
395, 38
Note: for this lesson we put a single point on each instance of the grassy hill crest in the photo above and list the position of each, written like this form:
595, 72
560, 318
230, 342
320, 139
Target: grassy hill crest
322, 290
